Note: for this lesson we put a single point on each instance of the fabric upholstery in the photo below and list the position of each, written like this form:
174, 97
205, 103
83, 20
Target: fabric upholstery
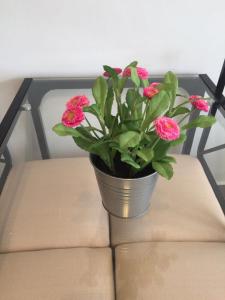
52, 204
170, 271
182, 209
66, 274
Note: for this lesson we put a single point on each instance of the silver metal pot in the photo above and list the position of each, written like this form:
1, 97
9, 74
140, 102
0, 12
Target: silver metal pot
125, 198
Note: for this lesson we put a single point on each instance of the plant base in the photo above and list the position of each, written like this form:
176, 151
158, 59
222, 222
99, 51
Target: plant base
124, 197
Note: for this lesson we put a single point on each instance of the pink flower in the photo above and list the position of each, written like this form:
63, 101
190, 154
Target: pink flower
154, 84
151, 90
167, 129
195, 97
126, 72
73, 117
199, 103
77, 101
117, 70
142, 73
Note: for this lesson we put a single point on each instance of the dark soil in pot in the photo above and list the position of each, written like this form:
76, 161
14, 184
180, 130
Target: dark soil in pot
122, 170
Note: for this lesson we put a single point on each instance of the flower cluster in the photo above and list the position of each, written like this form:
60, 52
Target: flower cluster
166, 128
145, 121
74, 115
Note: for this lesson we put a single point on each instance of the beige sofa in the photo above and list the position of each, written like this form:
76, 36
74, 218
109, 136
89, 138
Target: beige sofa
57, 242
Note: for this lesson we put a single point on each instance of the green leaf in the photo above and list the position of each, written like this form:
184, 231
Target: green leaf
145, 82
130, 98
169, 159
179, 111
108, 107
163, 168
100, 90
62, 130
99, 148
146, 154
85, 132
150, 137
161, 149
181, 139
134, 76
158, 106
171, 80
170, 85
134, 102
202, 122
92, 109
111, 71
125, 112
132, 64
121, 84
132, 125
125, 157
116, 127
128, 139
82, 143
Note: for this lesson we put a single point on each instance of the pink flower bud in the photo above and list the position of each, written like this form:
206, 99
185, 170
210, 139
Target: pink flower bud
126, 72
142, 73
151, 90
155, 84
117, 70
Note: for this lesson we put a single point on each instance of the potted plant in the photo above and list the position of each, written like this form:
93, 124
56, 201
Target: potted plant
129, 147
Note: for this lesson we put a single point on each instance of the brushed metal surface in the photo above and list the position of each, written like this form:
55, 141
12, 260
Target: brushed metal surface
125, 198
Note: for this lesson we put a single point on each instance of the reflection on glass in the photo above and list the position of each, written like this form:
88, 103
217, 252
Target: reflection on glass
216, 163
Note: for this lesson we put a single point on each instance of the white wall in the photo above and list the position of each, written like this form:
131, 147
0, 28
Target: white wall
75, 38
72, 38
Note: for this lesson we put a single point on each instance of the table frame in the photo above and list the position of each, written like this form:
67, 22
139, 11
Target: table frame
32, 91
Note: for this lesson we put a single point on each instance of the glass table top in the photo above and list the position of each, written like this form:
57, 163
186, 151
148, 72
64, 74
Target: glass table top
42, 101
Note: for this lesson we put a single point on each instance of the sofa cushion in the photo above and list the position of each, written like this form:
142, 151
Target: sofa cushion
182, 209
52, 203
64, 274
170, 270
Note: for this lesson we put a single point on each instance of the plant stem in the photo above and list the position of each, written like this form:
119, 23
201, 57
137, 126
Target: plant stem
144, 114
146, 163
155, 143
102, 125
111, 130
185, 116
93, 128
118, 100
112, 165
185, 102
179, 95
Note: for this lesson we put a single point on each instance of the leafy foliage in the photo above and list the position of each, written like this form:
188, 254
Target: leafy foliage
131, 131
